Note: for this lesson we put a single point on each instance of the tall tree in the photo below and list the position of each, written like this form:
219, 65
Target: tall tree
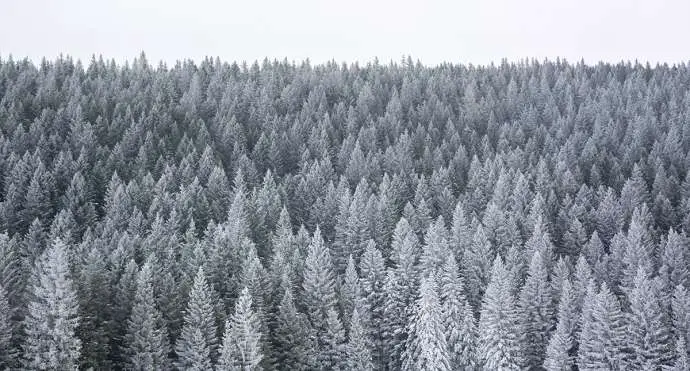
536, 313
427, 348
241, 349
147, 337
198, 338
458, 319
52, 318
499, 323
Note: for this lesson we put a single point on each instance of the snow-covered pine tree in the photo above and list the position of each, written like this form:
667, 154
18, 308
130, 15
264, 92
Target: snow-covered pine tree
7, 353
331, 355
147, 338
292, 342
241, 349
498, 343
649, 338
52, 318
561, 350
536, 313
357, 350
458, 319
477, 266
199, 330
427, 348
602, 337
372, 275
400, 290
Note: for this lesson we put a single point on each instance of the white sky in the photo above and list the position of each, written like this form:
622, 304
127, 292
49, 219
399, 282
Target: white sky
433, 31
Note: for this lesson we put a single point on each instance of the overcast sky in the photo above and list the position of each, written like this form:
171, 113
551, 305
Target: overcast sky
433, 31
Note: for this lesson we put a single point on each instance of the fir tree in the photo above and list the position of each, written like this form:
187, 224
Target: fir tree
561, 350
7, 353
198, 338
498, 345
536, 313
52, 318
241, 349
648, 335
358, 354
147, 338
426, 345
458, 319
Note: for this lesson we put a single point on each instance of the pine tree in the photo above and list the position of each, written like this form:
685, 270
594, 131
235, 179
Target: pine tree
147, 338
241, 348
477, 264
358, 354
458, 319
435, 249
292, 338
198, 338
561, 350
536, 313
350, 290
680, 309
498, 345
648, 335
602, 338
52, 318
426, 345
372, 277
319, 286
7, 353
400, 291
681, 362
331, 355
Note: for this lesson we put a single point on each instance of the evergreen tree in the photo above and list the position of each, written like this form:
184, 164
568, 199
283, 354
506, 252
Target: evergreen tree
319, 286
372, 277
331, 355
477, 264
198, 338
562, 350
458, 319
7, 353
400, 291
648, 335
602, 338
536, 313
241, 349
292, 339
147, 338
52, 318
358, 354
498, 344
426, 345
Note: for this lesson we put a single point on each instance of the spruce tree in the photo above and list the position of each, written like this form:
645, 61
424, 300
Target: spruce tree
458, 319
147, 338
536, 313
294, 348
241, 349
427, 348
52, 318
372, 276
400, 291
602, 337
7, 353
498, 344
357, 349
648, 335
561, 350
198, 337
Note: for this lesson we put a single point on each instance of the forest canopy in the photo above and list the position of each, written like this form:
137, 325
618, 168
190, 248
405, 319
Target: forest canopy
289, 216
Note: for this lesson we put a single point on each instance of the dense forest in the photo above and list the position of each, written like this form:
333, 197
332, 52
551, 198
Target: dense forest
290, 216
